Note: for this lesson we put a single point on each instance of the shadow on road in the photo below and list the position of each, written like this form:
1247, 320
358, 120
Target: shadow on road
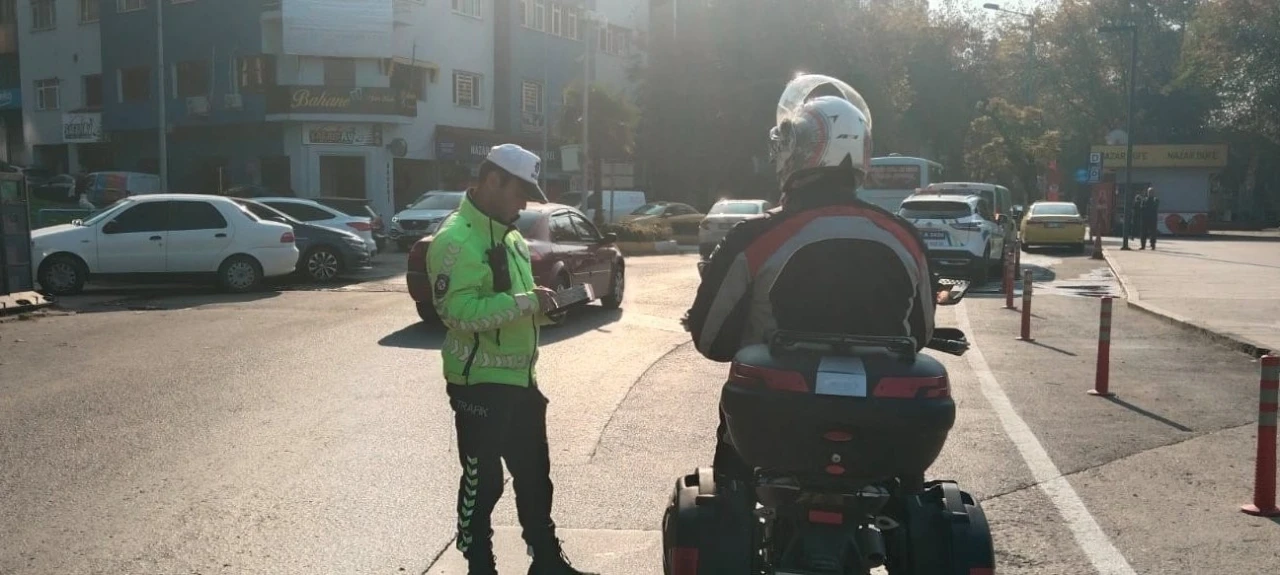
1050, 347
1140, 411
422, 335
158, 298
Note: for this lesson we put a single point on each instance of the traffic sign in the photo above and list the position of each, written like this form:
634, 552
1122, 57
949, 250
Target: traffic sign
1095, 158
1095, 174
1082, 175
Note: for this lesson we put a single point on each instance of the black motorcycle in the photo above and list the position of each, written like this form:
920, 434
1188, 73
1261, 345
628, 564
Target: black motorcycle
840, 430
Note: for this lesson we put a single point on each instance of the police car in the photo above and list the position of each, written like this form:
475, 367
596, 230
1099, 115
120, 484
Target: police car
964, 236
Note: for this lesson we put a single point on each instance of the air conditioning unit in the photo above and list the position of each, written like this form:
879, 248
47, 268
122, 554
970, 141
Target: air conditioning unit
198, 106
233, 101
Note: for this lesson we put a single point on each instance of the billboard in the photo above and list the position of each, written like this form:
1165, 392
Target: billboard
338, 28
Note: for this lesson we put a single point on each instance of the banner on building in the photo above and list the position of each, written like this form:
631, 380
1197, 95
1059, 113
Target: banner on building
82, 128
1197, 156
322, 100
338, 28
342, 135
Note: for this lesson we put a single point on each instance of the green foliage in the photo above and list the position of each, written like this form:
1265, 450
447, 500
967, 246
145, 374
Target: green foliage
638, 232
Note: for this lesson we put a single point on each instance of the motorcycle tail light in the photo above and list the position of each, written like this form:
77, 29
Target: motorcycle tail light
826, 517
763, 377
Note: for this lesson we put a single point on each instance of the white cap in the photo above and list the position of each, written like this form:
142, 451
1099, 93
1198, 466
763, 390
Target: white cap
520, 163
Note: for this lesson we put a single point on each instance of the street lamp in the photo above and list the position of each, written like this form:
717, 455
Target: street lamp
1132, 29
163, 124
1031, 42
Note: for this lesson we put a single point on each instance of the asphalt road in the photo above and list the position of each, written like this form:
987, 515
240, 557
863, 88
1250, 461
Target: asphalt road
308, 432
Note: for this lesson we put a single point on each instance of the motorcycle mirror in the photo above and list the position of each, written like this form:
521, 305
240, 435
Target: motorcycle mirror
955, 292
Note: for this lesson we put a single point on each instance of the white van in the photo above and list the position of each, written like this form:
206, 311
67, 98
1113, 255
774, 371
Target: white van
616, 203
105, 188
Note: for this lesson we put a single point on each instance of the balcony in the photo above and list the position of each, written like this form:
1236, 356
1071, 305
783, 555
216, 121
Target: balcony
311, 103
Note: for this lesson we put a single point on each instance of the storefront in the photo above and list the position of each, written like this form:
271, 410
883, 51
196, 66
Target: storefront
335, 139
1181, 176
462, 149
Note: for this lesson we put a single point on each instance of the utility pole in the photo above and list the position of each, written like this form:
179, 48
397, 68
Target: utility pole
164, 95
1127, 207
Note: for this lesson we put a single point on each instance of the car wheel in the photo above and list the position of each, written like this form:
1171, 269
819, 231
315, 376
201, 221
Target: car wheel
62, 274
427, 312
982, 268
240, 274
614, 299
322, 264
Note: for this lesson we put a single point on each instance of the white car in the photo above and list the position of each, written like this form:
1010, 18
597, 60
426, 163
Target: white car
313, 212
961, 233
722, 217
164, 235
423, 216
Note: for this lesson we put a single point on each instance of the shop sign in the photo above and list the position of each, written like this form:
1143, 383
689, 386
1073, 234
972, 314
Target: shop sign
10, 99
342, 135
1192, 156
330, 100
81, 128
473, 148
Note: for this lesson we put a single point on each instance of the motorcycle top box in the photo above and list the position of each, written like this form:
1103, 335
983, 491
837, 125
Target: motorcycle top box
826, 407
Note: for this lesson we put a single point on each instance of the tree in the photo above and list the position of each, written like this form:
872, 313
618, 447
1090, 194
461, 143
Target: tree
612, 124
1008, 142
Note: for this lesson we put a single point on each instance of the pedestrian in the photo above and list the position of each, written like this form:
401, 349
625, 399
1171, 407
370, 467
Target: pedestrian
484, 291
1150, 217
1134, 217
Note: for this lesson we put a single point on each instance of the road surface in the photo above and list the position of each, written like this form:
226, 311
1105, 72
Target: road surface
308, 432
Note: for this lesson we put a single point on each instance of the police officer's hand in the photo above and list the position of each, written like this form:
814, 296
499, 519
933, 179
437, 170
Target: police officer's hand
546, 303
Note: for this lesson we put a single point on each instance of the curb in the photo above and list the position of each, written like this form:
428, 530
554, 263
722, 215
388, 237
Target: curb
649, 248
1133, 299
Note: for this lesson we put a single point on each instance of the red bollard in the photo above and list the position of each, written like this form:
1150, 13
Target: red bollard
1008, 281
1026, 306
1097, 248
1102, 378
1264, 474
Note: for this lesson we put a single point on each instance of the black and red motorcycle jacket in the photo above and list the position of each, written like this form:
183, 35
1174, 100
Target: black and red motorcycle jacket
824, 262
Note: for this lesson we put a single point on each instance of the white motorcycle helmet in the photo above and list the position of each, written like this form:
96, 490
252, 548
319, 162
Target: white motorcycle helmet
822, 124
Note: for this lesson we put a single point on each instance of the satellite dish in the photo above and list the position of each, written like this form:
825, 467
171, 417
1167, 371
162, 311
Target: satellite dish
1117, 138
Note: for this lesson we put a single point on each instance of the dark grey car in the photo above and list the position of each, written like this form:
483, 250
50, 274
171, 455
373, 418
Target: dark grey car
325, 253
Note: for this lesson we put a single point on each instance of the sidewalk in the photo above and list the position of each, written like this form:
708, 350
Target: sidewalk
1223, 285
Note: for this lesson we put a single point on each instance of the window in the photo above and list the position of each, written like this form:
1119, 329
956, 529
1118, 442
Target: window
44, 15
130, 5
47, 94
531, 97
187, 215
141, 218
339, 72
540, 15
466, 89
92, 86
573, 25
467, 7
585, 231
557, 17
89, 11
192, 78
135, 84
411, 78
302, 211
562, 228
615, 40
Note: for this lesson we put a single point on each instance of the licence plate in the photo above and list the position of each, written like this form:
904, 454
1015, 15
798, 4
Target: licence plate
1053, 225
933, 235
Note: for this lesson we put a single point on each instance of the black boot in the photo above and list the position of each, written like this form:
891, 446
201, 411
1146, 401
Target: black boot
481, 562
549, 559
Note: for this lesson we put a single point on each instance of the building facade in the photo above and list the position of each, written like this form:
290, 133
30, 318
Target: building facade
62, 92
214, 99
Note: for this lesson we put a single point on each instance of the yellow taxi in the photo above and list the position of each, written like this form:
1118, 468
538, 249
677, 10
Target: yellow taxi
1053, 224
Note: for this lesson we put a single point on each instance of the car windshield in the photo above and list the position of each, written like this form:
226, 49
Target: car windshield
438, 202
649, 210
934, 210
735, 208
1054, 210
99, 215
266, 212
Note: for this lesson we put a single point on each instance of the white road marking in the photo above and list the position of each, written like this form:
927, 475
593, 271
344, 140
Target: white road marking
1095, 544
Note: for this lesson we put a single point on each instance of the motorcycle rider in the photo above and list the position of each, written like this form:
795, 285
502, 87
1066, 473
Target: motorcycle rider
824, 261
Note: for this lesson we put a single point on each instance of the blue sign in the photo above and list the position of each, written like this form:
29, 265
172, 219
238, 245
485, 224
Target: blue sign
1082, 175
11, 99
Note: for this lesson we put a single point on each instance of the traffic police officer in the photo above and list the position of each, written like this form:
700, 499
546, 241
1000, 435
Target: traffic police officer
484, 292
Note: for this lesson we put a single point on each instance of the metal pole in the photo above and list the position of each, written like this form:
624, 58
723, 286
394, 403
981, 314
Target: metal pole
588, 22
164, 95
1031, 55
544, 106
1128, 156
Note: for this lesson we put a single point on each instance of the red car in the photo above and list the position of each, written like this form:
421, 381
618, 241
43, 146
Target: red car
566, 248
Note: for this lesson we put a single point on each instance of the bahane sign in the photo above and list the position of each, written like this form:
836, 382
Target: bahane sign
342, 135
353, 101
1195, 156
82, 128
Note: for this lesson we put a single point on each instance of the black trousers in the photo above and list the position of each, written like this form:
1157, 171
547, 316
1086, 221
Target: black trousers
727, 462
497, 422
1149, 232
